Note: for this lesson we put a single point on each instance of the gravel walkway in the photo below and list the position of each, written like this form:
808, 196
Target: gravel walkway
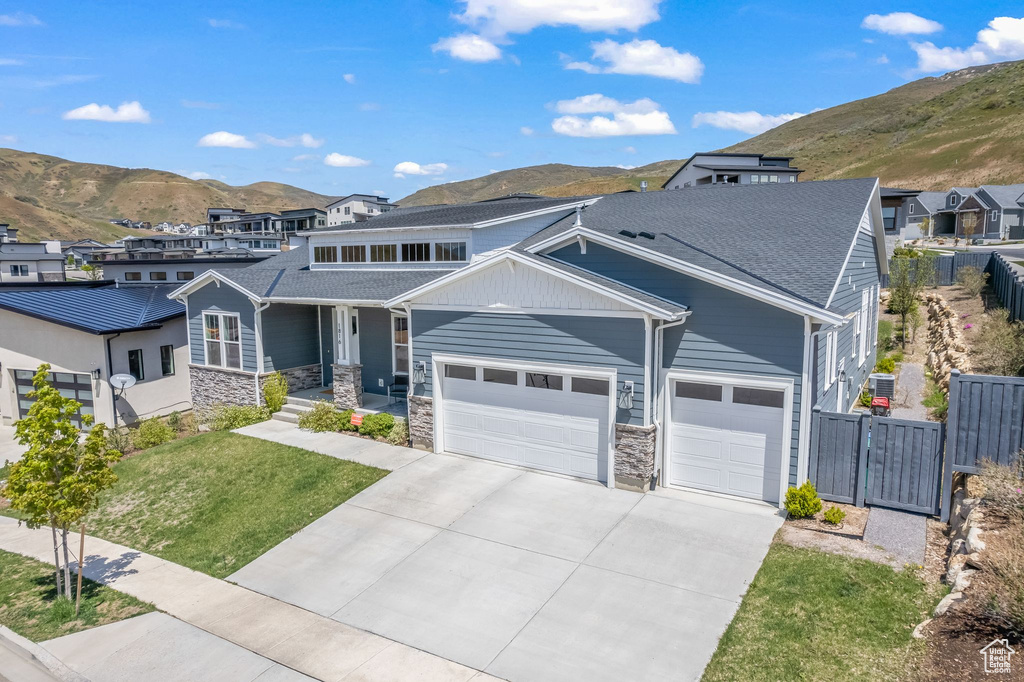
910, 392
901, 534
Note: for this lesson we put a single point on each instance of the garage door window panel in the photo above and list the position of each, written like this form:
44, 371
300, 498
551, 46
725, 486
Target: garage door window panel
758, 396
549, 381
464, 372
590, 386
501, 376
710, 392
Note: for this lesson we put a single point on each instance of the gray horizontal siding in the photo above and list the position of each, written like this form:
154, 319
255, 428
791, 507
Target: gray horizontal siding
563, 339
727, 332
290, 336
222, 299
861, 272
375, 349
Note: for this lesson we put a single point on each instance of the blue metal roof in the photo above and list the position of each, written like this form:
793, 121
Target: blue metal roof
104, 310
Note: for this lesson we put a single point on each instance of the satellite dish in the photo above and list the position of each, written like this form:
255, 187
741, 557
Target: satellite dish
122, 381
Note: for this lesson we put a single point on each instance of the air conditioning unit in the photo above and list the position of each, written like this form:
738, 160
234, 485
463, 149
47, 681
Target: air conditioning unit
882, 385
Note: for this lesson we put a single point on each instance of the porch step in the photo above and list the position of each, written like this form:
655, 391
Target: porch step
282, 416
292, 400
290, 408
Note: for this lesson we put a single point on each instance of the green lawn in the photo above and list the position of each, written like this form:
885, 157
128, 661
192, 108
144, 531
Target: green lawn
815, 616
216, 501
28, 601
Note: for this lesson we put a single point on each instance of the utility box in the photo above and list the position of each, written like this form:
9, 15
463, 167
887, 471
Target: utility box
882, 385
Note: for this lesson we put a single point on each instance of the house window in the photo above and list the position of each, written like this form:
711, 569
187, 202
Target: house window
993, 215
353, 254
450, 251
325, 254
954, 199
383, 253
792, 178
910, 209
753, 179
400, 343
184, 276
862, 325
158, 277
135, 366
416, 253
223, 340
348, 210
133, 276
19, 271
773, 178
539, 380
831, 341
167, 360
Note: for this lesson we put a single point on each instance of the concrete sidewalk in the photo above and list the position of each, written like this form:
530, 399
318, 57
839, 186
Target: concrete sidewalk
337, 445
308, 643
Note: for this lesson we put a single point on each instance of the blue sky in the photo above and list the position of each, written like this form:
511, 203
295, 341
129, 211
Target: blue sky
392, 96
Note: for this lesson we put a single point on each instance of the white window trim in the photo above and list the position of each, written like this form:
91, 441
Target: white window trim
223, 353
394, 345
431, 252
863, 326
831, 347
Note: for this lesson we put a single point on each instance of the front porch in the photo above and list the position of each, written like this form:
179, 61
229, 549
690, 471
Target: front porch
373, 403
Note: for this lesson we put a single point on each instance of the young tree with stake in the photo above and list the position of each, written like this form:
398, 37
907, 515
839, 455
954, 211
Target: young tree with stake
57, 480
969, 222
904, 288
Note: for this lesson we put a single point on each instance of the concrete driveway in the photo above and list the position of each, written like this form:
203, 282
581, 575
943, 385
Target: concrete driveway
527, 576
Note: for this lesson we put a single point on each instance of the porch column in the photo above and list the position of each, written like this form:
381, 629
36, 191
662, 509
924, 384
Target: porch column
347, 372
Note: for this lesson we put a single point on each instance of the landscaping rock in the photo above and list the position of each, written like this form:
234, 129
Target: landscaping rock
946, 603
919, 630
974, 541
963, 580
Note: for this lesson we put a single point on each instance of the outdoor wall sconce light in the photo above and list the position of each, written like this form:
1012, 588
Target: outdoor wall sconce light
96, 373
419, 372
626, 395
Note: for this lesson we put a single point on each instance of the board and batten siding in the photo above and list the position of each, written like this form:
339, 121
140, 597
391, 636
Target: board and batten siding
226, 299
726, 332
375, 349
290, 336
861, 273
560, 339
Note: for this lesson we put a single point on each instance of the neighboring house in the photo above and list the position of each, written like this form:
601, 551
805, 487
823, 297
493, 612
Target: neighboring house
22, 262
222, 215
182, 269
917, 208
356, 208
8, 233
612, 338
1003, 216
249, 223
263, 244
87, 333
81, 250
154, 259
895, 211
300, 219
713, 168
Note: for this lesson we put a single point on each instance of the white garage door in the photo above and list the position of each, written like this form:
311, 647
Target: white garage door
727, 438
554, 421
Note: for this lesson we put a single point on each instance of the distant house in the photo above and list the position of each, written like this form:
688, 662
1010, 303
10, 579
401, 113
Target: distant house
300, 219
8, 233
88, 331
154, 259
716, 168
223, 215
80, 250
356, 208
22, 262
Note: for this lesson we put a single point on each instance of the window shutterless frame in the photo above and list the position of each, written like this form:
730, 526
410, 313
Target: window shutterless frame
222, 339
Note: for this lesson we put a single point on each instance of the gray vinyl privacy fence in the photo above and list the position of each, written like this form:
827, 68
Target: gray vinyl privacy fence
1006, 280
909, 464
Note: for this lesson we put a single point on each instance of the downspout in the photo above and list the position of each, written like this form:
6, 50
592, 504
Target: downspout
110, 373
659, 342
257, 332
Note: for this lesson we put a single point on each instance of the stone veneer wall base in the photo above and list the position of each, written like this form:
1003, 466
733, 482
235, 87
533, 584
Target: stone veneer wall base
348, 386
298, 378
421, 422
218, 386
634, 456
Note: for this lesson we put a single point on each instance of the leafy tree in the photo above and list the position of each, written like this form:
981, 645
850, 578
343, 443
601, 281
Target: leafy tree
94, 272
926, 226
969, 222
904, 289
58, 479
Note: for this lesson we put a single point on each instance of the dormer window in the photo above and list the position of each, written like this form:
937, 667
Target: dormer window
416, 253
449, 251
383, 253
954, 200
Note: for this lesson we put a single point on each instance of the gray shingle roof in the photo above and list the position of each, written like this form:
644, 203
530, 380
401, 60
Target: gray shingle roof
449, 214
100, 310
933, 201
792, 238
1006, 196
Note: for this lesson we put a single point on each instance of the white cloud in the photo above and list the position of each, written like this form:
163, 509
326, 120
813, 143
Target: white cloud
199, 175
127, 112
412, 168
629, 150
8, 139
303, 140
1003, 39
19, 19
641, 117
501, 17
350, 78
11, 62
305, 157
225, 23
527, 131
344, 161
222, 138
750, 122
900, 24
468, 47
643, 58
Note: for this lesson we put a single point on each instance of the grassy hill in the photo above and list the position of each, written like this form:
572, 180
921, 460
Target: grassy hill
963, 128
49, 197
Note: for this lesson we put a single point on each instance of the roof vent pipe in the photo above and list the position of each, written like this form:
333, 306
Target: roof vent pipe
579, 217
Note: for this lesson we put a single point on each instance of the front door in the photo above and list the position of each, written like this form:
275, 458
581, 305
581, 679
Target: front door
327, 327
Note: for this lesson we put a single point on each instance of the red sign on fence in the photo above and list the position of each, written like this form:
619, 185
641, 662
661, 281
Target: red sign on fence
357, 419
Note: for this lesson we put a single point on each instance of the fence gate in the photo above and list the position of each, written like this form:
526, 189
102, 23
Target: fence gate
858, 459
905, 464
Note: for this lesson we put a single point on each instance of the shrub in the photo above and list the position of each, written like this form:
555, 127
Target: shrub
228, 417
897, 356
121, 438
323, 417
1004, 488
153, 432
885, 342
1001, 344
834, 515
885, 365
803, 502
275, 390
865, 399
400, 433
971, 280
377, 425
937, 402
345, 419
174, 420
